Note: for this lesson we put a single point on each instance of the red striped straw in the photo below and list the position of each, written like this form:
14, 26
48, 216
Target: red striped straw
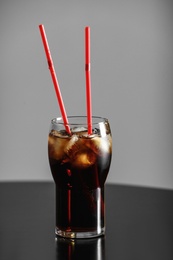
88, 79
54, 78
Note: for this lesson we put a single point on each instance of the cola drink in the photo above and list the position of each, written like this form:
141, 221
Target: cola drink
80, 164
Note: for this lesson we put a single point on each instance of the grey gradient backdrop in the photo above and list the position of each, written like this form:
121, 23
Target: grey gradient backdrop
132, 83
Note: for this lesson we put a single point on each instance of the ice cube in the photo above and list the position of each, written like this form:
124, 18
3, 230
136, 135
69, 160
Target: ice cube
71, 147
60, 134
99, 145
56, 147
84, 158
80, 131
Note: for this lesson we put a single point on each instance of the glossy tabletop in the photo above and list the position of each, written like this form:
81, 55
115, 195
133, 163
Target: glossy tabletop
139, 225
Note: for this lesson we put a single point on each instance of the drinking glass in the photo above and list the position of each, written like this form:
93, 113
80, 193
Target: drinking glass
79, 164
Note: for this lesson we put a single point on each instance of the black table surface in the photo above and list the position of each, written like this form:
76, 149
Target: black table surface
139, 225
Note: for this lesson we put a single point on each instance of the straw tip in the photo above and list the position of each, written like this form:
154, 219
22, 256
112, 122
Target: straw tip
87, 28
41, 25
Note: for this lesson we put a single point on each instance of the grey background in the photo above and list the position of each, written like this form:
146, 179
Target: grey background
132, 83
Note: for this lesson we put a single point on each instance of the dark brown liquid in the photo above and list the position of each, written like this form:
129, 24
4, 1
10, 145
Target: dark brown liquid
77, 210
79, 190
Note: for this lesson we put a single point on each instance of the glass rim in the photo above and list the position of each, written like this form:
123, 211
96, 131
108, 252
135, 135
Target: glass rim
77, 120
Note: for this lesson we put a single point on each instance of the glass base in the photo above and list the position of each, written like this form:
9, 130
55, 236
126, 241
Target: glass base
71, 234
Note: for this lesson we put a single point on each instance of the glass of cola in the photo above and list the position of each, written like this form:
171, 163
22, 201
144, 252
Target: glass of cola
79, 164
